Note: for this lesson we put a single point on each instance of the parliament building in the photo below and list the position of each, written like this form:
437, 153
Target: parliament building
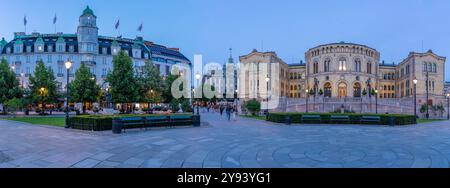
346, 75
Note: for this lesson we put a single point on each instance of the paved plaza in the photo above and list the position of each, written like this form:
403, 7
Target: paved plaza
220, 143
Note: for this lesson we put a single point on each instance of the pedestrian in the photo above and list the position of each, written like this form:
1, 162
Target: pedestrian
234, 113
221, 109
228, 111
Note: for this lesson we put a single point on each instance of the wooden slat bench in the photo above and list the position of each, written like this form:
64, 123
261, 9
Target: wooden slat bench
131, 121
336, 118
174, 120
370, 119
310, 118
156, 121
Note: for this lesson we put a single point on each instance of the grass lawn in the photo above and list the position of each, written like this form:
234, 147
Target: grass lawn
429, 120
52, 121
255, 117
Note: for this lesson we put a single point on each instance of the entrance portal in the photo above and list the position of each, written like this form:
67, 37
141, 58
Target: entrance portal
342, 89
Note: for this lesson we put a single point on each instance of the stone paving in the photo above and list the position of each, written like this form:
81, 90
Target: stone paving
228, 144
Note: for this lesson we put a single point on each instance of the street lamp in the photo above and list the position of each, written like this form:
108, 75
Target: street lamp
192, 100
267, 84
376, 101
427, 114
236, 99
448, 105
415, 97
68, 65
307, 97
197, 77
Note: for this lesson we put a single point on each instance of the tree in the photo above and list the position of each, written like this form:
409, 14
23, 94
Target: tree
320, 92
122, 81
150, 84
84, 87
253, 106
14, 104
364, 92
166, 90
9, 85
42, 85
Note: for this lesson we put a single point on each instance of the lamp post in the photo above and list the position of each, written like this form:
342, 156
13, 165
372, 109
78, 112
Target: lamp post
68, 65
415, 97
448, 105
427, 114
197, 77
307, 97
376, 101
267, 84
192, 100
235, 100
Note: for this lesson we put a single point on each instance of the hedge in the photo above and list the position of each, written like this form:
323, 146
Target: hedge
103, 122
325, 118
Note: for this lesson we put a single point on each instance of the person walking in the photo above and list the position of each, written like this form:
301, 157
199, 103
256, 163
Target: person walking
228, 111
221, 109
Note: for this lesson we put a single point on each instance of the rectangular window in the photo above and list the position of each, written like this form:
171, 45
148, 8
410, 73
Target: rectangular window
28, 59
167, 70
49, 59
104, 73
60, 70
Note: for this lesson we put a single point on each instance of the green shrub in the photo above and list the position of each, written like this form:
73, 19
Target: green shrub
253, 106
104, 122
353, 118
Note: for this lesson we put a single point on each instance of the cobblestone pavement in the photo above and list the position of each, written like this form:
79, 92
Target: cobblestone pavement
228, 144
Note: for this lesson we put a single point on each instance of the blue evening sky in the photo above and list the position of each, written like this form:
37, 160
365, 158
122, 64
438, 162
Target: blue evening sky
289, 27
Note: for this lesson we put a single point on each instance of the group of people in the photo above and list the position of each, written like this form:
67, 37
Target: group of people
228, 109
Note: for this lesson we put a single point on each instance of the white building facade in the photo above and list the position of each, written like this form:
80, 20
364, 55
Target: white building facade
85, 46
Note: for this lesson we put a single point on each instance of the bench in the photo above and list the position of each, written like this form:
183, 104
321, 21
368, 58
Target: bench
339, 119
310, 118
131, 121
370, 119
151, 121
183, 120
156, 121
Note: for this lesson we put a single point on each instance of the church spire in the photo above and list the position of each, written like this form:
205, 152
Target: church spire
230, 59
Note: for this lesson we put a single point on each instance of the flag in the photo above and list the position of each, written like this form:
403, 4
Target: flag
140, 28
54, 19
25, 20
117, 24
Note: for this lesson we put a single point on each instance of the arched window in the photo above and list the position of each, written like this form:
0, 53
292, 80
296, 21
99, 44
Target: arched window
434, 67
369, 67
326, 65
430, 67
342, 64
357, 90
327, 90
424, 67
357, 65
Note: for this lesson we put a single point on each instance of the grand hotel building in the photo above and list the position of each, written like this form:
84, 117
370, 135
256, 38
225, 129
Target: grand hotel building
85, 46
339, 74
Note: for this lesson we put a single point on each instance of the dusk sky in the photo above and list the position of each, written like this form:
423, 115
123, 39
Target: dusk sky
290, 28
